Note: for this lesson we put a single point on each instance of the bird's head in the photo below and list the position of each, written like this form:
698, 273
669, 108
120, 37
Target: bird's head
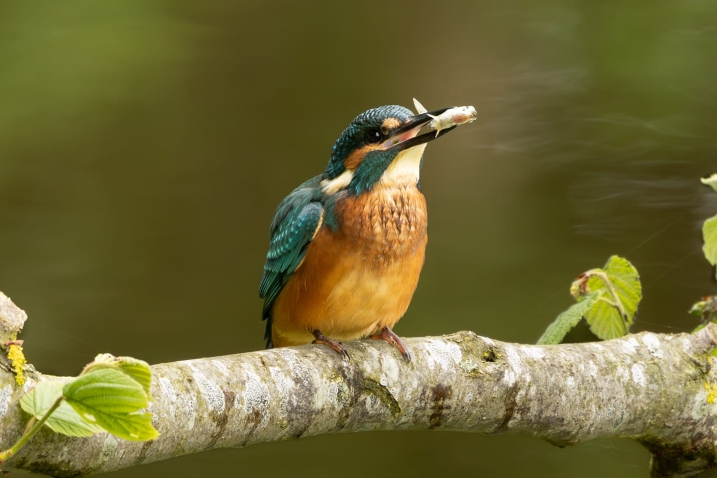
380, 145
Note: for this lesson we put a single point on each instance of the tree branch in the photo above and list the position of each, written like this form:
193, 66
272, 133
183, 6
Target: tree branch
654, 388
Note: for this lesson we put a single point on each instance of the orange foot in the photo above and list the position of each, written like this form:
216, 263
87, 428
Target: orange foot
393, 339
334, 344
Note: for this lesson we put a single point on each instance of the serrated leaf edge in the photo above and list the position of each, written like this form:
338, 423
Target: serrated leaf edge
586, 302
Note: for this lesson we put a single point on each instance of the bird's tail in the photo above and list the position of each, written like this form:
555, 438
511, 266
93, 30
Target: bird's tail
267, 334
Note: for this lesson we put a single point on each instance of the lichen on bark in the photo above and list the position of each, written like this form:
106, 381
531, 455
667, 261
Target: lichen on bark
648, 387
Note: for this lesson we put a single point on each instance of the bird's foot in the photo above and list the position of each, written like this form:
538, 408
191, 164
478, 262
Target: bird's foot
393, 339
334, 344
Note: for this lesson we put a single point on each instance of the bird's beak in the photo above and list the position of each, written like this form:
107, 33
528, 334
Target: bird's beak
406, 136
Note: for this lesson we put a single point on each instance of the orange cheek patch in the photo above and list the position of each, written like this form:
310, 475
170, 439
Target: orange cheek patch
390, 124
355, 159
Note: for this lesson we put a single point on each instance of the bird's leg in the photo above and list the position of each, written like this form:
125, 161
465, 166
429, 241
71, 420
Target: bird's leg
334, 344
393, 339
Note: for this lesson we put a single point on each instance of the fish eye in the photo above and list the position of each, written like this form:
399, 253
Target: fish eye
373, 136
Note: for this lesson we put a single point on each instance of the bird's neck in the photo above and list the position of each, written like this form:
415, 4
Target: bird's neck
404, 170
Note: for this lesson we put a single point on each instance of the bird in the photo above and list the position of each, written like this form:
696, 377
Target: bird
347, 246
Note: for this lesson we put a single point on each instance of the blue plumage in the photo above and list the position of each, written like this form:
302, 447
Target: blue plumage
359, 158
296, 221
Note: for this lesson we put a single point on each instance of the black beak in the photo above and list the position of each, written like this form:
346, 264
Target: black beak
406, 136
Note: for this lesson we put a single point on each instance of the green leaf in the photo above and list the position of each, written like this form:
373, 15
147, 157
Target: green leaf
113, 400
710, 181
614, 312
705, 309
132, 427
709, 233
605, 321
699, 308
137, 369
109, 390
64, 419
556, 331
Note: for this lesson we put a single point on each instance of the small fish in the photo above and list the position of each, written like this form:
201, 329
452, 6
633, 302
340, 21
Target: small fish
449, 118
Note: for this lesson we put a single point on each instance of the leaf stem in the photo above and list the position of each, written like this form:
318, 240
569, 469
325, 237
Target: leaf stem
4, 455
30, 424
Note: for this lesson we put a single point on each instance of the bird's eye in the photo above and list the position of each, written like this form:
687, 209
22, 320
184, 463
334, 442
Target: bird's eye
373, 136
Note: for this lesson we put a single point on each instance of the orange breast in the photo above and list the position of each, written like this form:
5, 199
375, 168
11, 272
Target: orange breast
360, 278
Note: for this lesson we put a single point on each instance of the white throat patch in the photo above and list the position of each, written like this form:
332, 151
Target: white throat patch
405, 167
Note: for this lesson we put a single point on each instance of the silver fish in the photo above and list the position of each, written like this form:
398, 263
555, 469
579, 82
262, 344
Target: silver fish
449, 118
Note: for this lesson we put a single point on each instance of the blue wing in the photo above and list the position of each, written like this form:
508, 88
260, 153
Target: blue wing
297, 219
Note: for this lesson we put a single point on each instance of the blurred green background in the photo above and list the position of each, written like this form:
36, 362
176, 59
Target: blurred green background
145, 145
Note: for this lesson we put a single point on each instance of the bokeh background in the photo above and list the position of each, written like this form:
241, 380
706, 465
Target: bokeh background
145, 145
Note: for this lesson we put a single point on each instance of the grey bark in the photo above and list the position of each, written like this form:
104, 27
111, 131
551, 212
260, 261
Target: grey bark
12, 319
654, 388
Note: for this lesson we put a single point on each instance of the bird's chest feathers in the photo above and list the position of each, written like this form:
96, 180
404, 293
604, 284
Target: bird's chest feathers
385, 224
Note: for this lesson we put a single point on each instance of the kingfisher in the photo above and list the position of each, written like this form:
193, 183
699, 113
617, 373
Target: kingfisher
347, 247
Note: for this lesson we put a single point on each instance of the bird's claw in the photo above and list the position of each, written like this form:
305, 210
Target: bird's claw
389, 336
334, 344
